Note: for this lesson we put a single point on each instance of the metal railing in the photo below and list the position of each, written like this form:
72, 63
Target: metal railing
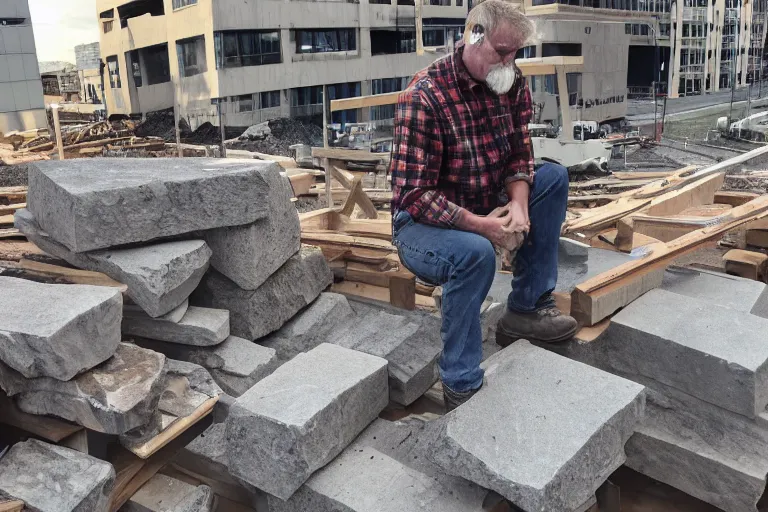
692, 69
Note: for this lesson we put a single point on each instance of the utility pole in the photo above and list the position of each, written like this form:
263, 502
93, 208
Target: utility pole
222, 148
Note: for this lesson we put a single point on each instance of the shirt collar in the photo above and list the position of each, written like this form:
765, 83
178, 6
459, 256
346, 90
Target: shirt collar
463, 77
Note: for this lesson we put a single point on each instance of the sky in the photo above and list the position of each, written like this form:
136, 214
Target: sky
60, 25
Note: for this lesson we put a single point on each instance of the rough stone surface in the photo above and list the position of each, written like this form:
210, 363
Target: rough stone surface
175, 315
113, 398
159, 277
573, 270
311, 327
50, 478
256, 313
721, 289
165, 494
715, 455
298, 419
545, 432
714, 353
206, 455
249, 254
186, 386
55, 330
96, 203
761, 306
200, 327
236, 364
409, 341
572, 249
366, 480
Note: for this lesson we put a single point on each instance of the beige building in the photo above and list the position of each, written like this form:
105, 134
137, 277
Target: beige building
21, 91
263, 58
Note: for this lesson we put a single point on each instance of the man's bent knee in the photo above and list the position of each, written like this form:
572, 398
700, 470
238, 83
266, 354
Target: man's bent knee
480, 255
553, 176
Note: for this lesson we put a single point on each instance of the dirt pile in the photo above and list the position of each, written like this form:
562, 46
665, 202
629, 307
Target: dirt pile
158, 124
284, 132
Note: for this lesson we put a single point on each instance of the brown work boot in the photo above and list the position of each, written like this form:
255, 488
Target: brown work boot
453, 399
547, 325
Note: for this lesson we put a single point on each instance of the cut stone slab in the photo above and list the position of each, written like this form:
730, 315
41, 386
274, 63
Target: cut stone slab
714, 353
409, 341
115, 397
249, 254
206, 455
568, 248
720, 289
97, 203
199, 327
50, 478
298, 419
57, 330
236, 364
761, 306
256, 313
175, 315
573, 269
165, 494
544, 431
159, 277
715, 455
186, 387
311, 327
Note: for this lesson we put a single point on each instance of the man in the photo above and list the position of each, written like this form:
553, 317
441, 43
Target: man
461, 141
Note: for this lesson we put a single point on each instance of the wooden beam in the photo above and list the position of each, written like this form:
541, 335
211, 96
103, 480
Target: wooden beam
602, 295
747, 264
72, 275
758, 238
734, 198
11, 208
402, 288
358, 196
318, 220
378, 293
346, 178
12, 506
51, 429
374, 100
350, 155
641, 175
301, 183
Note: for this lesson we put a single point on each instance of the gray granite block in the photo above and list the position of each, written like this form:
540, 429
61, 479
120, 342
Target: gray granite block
96, 203
207, 456
165, 494
199, 327
115, 397
159, 277
175, 315
310, 327
544, 431
249, 254
714, 353
409, 341
365, 480
256, 313
235, 364
761, 306
298, 419
573, 270
720, 289
57, 330
568, 248
50, 478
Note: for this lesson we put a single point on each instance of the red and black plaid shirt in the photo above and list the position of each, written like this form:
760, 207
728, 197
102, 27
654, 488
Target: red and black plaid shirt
457, 143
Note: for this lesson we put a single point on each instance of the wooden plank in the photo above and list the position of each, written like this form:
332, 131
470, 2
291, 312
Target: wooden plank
599, 297
72, 275
11, 208
379, 293
402, 289
51, 429
174, 430
6, 220
734, 198
373, 228
301, 183
12, 506
358, 197
374, 100
345, 177
13, 191
342, 240
758, 238
641, 175
350, 155
607, 240
747, 264
6, 233
363, 273
15, 250
318, 220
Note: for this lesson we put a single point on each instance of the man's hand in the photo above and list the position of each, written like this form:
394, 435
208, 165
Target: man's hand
496, 227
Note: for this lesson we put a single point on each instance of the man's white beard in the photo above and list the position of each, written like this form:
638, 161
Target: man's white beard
501, 78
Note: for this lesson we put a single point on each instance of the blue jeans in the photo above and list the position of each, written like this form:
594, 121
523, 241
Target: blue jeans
464, 264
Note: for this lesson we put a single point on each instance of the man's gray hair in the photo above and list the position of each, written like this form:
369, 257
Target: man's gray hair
489, 13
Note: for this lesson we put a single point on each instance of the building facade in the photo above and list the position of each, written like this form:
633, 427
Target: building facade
263, 59
21, 91
88, 63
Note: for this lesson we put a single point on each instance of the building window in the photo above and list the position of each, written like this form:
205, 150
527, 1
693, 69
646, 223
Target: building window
247, 48
12, 21
132, 61
557, 49
388, 42
114, 72
178, 4
107, 14
527, 52
383, 86
108, 26
191, 54
459, 3
244, 103
574, 88
270, 99
434, 37
322, 41
156, 64
550, 84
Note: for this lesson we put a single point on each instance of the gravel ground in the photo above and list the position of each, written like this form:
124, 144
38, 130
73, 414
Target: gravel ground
13, 175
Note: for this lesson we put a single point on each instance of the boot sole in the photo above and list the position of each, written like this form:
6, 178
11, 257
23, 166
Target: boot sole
505, 339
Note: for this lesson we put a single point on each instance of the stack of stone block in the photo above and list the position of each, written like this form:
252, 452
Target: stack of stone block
698, 343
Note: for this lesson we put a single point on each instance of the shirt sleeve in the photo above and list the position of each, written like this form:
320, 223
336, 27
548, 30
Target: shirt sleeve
521, 164
417, 151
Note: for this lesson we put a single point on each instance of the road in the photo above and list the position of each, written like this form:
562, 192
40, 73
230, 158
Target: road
641, 111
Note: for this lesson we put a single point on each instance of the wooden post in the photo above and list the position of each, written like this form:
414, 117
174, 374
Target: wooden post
325, 117
419, 27
222, 148
328, 183
565, 108
57, 129
177, 118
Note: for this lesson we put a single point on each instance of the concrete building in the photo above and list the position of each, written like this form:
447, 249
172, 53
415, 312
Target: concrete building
263, 58
21, 91
88, 62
